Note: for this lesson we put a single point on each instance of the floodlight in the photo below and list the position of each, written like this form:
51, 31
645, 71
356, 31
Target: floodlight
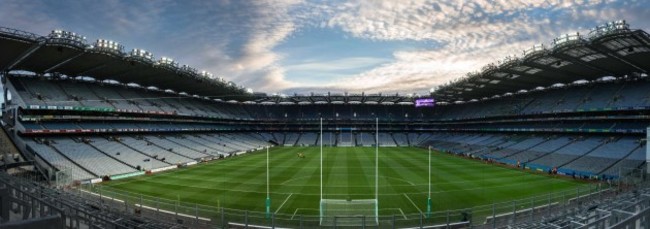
206, 74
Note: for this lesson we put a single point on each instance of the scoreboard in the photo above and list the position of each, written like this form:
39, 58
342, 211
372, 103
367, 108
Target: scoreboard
427, 102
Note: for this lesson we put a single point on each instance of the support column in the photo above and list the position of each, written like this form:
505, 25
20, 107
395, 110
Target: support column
647, 150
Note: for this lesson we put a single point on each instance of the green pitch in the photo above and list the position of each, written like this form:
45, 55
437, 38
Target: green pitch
349, 173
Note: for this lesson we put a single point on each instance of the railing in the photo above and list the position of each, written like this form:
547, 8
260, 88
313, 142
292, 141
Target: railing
19, 33
25, 203
493, 215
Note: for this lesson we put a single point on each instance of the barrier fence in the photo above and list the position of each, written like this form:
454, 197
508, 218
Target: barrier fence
488, 216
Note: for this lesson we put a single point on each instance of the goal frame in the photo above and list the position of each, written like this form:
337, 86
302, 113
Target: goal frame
376, 200
347, 214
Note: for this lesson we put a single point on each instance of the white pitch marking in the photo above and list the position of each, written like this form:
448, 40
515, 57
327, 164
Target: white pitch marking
285, 201
296, 178
105, 197
407, 197
400, 210
171, 212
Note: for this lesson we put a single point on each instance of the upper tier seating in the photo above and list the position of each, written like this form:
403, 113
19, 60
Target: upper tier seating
571, 98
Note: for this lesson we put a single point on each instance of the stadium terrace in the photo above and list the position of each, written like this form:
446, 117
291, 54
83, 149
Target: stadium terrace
98, 137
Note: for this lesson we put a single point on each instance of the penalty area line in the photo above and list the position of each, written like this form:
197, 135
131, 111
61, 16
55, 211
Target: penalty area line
409, 198
285, 201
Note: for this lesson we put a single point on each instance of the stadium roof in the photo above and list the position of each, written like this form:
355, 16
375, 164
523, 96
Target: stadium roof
69, 54
609, 50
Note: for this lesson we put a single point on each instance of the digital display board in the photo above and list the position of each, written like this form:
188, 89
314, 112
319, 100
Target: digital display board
428, 102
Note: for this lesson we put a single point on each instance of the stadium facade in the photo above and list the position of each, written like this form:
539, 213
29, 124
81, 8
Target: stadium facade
577, 107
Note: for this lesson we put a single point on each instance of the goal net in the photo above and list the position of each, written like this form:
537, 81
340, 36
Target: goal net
63, 177
336, 212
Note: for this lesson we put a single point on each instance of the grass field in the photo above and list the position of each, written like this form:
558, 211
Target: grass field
349, 173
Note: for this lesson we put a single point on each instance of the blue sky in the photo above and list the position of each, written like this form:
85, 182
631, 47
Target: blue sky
302, 46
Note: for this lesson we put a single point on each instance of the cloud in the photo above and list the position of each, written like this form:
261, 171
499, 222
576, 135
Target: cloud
336, 65
233, 39
236, 40
468, 34
418, 71
271, 79
409, 72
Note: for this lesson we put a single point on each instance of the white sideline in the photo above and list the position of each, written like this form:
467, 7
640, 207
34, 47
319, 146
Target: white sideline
254, 226
521, 211
285, 201
103, 197
438, 226
171, 212
589, 194
407, 197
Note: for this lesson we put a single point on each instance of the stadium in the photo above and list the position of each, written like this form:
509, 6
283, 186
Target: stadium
96, 135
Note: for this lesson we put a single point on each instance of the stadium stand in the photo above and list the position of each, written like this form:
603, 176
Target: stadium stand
385, 139
365, 139
138, 143
570, 153
401, 139
328, 138
581, 107
345, 139
43, 150
307, 139
112, 147
291, 139
79, 151
552, 144
604, 156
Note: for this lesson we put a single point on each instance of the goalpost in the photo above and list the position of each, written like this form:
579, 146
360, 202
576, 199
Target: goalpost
350, 212
62, 177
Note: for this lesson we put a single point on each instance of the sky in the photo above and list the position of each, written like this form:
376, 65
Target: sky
304, 46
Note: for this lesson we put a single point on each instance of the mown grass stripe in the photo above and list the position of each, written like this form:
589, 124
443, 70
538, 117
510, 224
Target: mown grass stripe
240, 182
